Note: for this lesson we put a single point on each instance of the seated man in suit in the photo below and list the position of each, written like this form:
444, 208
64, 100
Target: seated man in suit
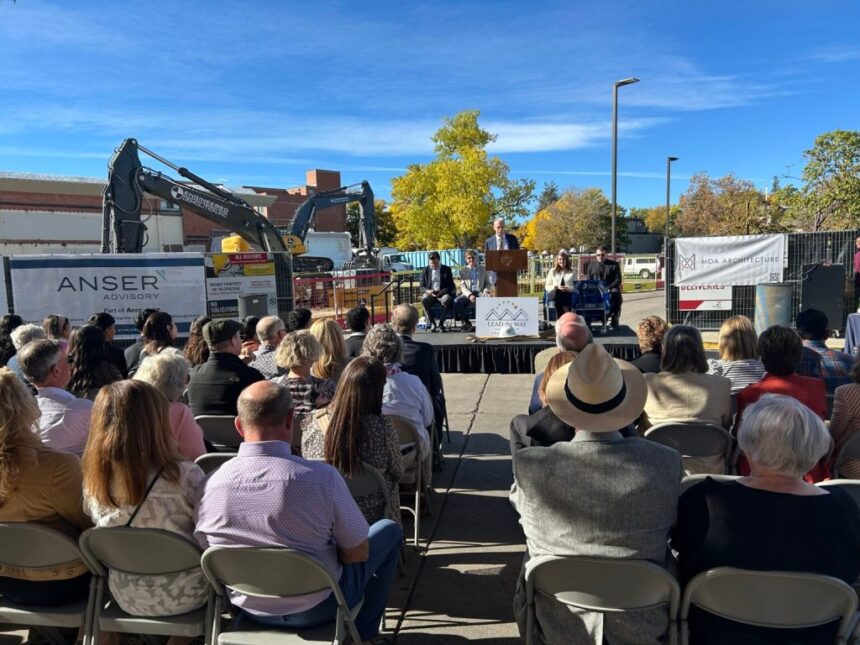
609, 272
474, 282
501, 241
358, 321
437, 281
621, 502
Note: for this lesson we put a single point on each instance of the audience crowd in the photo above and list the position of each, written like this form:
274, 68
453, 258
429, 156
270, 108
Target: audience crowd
81, 445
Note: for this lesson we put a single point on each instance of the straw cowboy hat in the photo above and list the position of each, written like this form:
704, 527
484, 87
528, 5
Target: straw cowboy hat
597, 393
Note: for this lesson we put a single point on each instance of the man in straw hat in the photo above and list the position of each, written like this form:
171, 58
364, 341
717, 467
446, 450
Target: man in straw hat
598, 495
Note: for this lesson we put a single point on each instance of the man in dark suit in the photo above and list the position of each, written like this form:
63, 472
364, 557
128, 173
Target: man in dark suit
437, 281
358, 320
501, 241
609, 272
419, 359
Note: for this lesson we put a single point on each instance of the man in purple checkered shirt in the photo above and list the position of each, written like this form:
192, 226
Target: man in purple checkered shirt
835, 366
266, 497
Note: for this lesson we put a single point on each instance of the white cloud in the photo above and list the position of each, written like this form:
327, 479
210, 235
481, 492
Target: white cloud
836, 53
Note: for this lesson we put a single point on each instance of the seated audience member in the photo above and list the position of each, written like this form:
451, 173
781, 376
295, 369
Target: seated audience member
266, 497
65, 420
683, 391
270, 331
404, 394
738, 359
107, 324
42, 485
132, 352
559, 284
8, 324
358, 321
196, 350
419, 358
620, 502
353, 431
215, 385
542, 428
168, 374
571, 335
90, 363
437, 285
812, 327
20, 337
650, 332
769, 520
780, 349
845, 421
332, 358
474, 283
159, 336
133, 476
297, 319
295, 355
250, 342
57, 327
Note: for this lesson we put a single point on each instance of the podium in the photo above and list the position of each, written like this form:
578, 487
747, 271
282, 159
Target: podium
506, 264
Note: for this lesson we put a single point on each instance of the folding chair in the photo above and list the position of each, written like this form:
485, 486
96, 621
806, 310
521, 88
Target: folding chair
850, 486
849, 450
777, 599
273, 573
601, 584
366, 481
412, 476
220, 430
144, 552
26, 544
691, 480
701, 445
212, 461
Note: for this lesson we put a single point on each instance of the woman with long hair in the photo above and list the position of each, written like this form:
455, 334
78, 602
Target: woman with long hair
355, 432
159, 334
8, 324
42, 485
196, 349
134, 476
56, 327
559, 283
738, 361
250, 342
90, 363
332, 359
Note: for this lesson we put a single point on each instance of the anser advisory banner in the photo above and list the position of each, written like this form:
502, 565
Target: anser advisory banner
730, 260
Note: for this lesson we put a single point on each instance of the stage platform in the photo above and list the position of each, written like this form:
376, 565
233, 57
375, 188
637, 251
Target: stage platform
455, 354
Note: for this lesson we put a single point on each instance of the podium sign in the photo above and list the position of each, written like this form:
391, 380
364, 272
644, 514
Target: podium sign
494, 313
506, 264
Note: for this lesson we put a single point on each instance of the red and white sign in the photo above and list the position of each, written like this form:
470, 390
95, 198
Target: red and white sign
714, 297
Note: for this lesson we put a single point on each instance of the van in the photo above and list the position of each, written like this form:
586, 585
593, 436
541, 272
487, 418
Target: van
640, 266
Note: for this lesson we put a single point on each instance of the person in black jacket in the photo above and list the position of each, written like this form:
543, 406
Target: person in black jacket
132, 352
358, 320
215, 385
609, 272
107, 323
437, 281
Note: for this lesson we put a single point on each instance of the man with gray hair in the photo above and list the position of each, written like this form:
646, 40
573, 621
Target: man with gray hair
270, 331
20, 336
572, 334
64, 424
267, 497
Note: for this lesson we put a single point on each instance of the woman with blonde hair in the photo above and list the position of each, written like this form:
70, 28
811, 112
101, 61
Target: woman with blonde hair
559, 283
134, 476
332, 358
738, 359
41, 485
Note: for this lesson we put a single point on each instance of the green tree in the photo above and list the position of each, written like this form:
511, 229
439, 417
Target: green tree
386, 231
832, 181
549, 195
577, 218
725, 206
452, 200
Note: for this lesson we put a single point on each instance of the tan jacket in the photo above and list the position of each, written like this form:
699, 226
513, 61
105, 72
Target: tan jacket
687, 397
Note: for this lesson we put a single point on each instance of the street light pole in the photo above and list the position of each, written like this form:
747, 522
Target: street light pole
669, 161
615, 86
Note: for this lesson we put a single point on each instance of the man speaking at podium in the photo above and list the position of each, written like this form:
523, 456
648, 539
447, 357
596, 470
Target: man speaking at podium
501, 241
609, 272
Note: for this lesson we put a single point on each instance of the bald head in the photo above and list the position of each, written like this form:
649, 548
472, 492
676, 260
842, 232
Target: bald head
265, 412
404, 319
572, 333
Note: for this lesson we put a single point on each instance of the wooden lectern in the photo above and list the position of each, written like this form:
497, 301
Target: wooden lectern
506, 264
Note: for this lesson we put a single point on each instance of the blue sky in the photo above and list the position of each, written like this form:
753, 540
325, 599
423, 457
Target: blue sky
255, 93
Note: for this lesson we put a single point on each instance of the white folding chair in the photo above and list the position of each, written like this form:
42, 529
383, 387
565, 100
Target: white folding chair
849, 450
212, 461
273, 573
412, 475
601, 584
220, 431
701, 445
691, 480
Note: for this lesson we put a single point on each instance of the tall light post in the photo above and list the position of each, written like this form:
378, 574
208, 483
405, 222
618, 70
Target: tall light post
615, 86
669, 161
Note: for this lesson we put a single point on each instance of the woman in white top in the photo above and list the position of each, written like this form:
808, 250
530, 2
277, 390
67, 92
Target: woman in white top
559, 283
738, 359
134, 476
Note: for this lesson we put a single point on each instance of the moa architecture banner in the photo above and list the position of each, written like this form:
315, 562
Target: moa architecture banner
513, 316
78, 286
731, 260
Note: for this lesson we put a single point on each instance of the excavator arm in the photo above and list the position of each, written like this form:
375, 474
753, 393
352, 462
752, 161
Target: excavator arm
306, 211
122, 228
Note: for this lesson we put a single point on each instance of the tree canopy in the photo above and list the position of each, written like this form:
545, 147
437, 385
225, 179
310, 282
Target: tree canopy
452, 200
386, 232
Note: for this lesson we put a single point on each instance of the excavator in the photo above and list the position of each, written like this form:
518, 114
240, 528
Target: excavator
123, 230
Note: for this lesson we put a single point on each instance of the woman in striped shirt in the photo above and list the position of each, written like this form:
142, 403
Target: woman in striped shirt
738, 359
845, 421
